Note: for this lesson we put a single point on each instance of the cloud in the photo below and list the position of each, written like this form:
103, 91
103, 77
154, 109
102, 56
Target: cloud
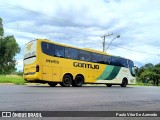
81, 23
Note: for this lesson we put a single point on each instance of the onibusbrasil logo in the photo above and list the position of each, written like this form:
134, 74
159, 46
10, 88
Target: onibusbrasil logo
21, 114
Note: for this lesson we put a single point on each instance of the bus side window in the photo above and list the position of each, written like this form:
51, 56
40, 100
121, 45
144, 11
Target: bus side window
71, 53
117, 61
94, 57
59, 51
74, 54
112, 62
84, 55
106, 59
82, 58
48, 48
100, 58
68, 53
124, 63
51, 49
44, 47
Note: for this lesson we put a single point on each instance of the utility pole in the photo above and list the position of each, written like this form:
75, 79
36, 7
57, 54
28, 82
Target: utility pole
118, 36
104, 42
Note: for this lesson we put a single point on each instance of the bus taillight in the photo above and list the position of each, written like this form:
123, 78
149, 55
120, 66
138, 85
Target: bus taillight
37, 68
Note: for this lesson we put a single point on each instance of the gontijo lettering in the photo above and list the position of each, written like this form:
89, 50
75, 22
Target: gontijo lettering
84, 65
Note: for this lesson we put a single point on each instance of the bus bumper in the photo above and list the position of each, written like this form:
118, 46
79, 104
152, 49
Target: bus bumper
31, 77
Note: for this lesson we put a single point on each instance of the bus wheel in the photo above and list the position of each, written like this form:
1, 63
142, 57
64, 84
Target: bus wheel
67, 81
124, 83
109, 85
78, 82
52, 84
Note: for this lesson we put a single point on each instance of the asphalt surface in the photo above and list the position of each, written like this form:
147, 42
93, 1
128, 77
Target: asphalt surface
86, 98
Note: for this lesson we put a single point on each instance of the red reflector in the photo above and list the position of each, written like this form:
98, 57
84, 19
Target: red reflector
37, 68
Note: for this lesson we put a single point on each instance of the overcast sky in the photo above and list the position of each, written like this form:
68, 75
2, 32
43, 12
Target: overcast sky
81, 23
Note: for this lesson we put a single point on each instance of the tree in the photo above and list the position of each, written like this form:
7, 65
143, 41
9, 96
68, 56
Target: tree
145, 67
156, 70
8, 49
146, 75
157, 65
149, 72
1, 28
148, 66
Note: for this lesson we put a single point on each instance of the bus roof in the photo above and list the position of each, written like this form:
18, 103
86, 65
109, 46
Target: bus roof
86, 49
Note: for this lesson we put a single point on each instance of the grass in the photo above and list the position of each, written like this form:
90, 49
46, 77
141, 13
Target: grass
143, 84
12, 79
15, 79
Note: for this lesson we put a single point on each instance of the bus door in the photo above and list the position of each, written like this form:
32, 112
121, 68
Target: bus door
47, 73
56, 74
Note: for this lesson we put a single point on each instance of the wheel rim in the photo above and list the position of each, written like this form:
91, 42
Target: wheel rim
79, 81
124, 83
52, 84
67, 80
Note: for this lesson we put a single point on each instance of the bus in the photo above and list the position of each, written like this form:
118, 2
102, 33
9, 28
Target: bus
54, 63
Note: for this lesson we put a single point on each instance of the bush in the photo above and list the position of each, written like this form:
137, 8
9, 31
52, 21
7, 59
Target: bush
20, 73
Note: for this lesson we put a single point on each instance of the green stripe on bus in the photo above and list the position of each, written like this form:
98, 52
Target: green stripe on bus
114, 73
109, 73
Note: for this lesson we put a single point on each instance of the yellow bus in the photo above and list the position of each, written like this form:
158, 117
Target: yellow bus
54, 63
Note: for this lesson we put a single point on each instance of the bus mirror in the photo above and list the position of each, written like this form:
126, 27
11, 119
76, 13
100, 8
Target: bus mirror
136, 69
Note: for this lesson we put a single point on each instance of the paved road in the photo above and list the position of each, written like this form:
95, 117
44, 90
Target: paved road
15, 97
87, 98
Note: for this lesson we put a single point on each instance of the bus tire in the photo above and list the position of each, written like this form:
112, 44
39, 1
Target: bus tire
67, 81
52, 84
78, 82
124, 82
109, 85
